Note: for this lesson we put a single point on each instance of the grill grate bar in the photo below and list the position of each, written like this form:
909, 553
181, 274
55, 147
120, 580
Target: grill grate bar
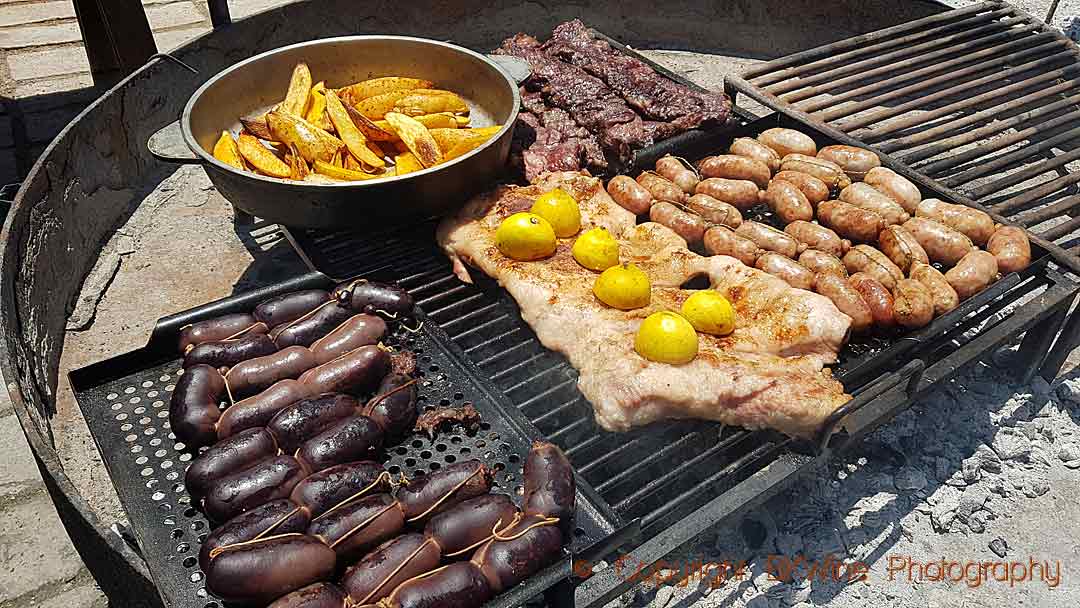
449, 294
479, 327
1036, 193
494, 358
517, 366
661, 455
934, 68
470, 315
497, 338
1062, 229
859, 71
532, 379
882, 114
992, 129
1041, 215
759, 77
558, 409
1015, 156
547, 392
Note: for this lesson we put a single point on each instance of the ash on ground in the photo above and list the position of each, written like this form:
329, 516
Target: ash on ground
968, 499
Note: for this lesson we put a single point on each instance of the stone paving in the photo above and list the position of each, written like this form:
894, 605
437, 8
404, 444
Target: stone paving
44, 82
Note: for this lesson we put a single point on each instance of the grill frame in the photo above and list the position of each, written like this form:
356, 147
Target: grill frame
777, 85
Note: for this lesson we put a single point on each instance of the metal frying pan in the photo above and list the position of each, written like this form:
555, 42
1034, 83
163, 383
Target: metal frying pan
254, 85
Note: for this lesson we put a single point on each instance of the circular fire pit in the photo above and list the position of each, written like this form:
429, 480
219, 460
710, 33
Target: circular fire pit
97, 173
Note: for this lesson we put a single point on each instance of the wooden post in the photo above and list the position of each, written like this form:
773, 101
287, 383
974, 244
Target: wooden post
117, 37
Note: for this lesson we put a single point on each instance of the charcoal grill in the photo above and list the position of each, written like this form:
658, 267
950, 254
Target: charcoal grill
929, 94
89, 180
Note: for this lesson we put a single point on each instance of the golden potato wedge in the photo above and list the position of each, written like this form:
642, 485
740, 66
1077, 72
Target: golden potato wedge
297, 165
464, 147
354, 93
256, 125
349, 133
352, 164
399, 147
406, 162
418, 104
261, 158
417, 138
376, 107
370, 130
296, 98
316, 113
312, 142
227, 152
319, 178
442, 120
342, 173
450, 138
462, 121
376, 149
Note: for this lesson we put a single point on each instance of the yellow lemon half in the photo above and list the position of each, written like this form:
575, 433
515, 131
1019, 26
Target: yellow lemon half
596, 249
624, 287
709, 312
525, 237
561, 210
666, 337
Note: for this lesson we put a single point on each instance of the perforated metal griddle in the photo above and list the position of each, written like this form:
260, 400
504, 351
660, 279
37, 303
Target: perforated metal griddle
125, 401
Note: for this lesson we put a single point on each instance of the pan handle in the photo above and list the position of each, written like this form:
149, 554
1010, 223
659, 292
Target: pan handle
167, 144
516, 67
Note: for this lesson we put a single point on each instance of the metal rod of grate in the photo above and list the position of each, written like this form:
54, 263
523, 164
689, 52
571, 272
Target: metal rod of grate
981, 101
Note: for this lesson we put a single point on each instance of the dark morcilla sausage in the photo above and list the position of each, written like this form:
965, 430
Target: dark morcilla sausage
297, 423
227, 353
357, 527
325, 489
220, 328
393, 407
389, 565
266, 480
460, 585
194, 408
549, 484
319, 595
270, 519
529, 545
427, 495
290, 307
312, 326
260, 571
226, 457
354, 438
358, 371
383, 299
467, 525
254, 375
258, 410
359, 330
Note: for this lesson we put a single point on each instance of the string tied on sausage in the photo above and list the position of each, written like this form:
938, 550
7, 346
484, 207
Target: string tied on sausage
364, 523
377, 399
216, 551
513, 522
394, 572
419, 327
381, 477
545, 521
446, 496
277, 523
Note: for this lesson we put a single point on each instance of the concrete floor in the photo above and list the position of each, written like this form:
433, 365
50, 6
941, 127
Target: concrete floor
185, 223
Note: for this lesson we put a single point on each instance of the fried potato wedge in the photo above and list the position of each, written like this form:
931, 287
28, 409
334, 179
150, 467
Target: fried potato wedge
406, 163
354, 93
418, 103
342, 173
297, 165
349, 133
448, 139
312, 142
464, 147
256, 125
226, 151
261, 158
416, 138
371, 130
296, 98
377, 106
376, 149
441, 120
316, 112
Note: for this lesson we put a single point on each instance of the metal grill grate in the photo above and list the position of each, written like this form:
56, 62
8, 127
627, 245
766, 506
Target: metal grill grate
980, 102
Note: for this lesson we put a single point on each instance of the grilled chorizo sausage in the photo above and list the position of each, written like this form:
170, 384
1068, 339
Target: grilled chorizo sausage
850, 222
846, 298
721, 240
972, 273
788, 141
741, 193
770, 239
714, 211
384, 299
856, 162
297, 423
219, 328
864, 258
290, 307
469, 524
266, 480
731, 166
258, 410
975, 224
319, 595
865, 197
690, 226
194, 407
226, 353
323, 490
427, 495
876, 297
660, 188
788, 202
276, 517
789, 270
816, 236
388, 566
226, 457
812, 188
1011, 248
254, 375
262, 570
819, 262
913, 307
899, 246
359, 330
942, 294
550, 489
828, 172
353, 438
354, 528
312, 326
629, 194
752, 148
677, 173
941, 243
892, 185
358, 371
